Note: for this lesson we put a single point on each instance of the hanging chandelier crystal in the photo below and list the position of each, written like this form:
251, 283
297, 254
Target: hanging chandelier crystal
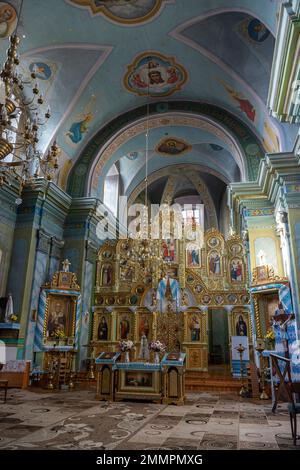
22, 115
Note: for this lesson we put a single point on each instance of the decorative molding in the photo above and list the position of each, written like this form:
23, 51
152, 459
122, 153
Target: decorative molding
284, 92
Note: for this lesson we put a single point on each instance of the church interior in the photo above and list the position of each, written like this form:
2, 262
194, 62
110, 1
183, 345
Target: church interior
149, 225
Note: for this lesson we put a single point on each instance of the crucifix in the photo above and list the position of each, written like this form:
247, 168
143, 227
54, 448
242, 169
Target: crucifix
66, 265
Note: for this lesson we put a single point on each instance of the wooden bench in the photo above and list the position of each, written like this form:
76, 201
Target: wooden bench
16, 373
4, 385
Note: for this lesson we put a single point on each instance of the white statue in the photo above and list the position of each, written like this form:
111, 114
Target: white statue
144, 351
9, 309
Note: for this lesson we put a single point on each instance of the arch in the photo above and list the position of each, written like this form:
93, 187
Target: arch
241, 136
197, 182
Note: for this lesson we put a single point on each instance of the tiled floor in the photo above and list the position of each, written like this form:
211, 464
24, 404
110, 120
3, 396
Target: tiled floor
75, 420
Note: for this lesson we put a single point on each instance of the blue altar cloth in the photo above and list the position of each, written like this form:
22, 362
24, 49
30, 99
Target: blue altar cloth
104, 359
137, 366
178, 361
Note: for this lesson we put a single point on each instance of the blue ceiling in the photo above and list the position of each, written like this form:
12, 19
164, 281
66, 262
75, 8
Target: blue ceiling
214, 51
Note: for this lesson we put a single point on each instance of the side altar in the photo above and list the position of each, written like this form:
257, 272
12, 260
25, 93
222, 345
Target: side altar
57, 329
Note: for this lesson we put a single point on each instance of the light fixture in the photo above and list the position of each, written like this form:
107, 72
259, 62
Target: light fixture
22, 114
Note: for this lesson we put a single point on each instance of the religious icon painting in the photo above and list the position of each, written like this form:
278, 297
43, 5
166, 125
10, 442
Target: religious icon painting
107, 254
133, 300
128, 12
241, 324
193, 256
236, 248
155, 74
194, 330
121, 300
110, 301
245, 299
190, 279
219, 299
124, 326
236, 270
169, 250
103, 332
232, 298
172, 146
8, 20
214, 263
99, 300
107, 275
199, 288
206, 298
144, 325
213, 242
65, 279
126, 273
59, 316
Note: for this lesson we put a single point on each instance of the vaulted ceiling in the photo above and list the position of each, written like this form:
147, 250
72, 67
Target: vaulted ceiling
100, 60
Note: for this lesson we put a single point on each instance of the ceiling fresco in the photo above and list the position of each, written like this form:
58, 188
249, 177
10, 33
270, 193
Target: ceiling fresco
153, 74
100, 62
8, 19
123, 11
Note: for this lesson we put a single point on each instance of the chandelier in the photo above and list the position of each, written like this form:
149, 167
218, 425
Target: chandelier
22, 115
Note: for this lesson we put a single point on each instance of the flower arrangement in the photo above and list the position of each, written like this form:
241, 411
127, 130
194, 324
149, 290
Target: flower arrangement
58, 334
270, 337
157, 346
13, 317
126, 345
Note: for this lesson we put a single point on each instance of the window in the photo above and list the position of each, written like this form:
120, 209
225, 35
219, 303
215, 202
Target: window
111, 190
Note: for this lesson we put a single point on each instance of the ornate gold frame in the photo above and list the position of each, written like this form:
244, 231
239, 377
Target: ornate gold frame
73, 304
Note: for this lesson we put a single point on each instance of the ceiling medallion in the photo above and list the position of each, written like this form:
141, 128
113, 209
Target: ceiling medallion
154, 74
123, 11
172, 147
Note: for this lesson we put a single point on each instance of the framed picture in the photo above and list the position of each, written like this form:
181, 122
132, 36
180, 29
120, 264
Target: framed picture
104, 327
194, 327
213, 242
65, 279
169, 250
60, 315
241, 324
236, 270
193, 256
107, 275
214, 263
144, 325
236, 249
138, 379
125, 326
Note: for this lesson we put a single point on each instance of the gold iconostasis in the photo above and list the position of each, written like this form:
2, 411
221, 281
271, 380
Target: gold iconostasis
173, 297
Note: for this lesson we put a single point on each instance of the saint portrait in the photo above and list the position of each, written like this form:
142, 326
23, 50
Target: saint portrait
241, 326
124, 327
193, 256
154, 74
103, 329
168, 250
58, 316
194, 326
236, 270
8, 20
107, 275
214, 263
172, 146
